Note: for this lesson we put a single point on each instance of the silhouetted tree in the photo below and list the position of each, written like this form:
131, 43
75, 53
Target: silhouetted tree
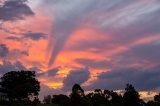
36, 101
98, 98
105, 98
156, 101
77, 97
20, 85
116, 99
62, 100
76, 89
157, 98
131, 96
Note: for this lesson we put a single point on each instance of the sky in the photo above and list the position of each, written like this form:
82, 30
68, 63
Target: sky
96, 43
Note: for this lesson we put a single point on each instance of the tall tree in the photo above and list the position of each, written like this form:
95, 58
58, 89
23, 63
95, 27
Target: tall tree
98, 98
116, 99
131, 96
20, 85
77, 97
157, 98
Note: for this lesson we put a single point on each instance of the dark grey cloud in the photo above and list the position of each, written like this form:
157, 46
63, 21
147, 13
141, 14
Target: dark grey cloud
17, 53
13, 38
14, 9
7, 66
38, 71
140, 54
28, 35
4, 50
7, 54
35, 35
25, 53
142, 79
53, 71
98, 64
76, 76
19, 65
148, 52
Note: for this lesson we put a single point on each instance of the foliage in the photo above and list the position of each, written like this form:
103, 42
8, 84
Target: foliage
131, 96
20, 86
157, 98
60, 99
103, 98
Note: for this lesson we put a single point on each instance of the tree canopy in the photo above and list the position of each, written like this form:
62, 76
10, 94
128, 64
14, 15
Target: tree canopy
20, 85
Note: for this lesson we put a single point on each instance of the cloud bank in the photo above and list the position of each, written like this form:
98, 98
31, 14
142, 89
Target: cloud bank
12, 10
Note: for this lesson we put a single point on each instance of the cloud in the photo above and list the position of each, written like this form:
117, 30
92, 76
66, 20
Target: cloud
3, 50
28, 35
25, 53
149, 52
14, 10
139, 28
14, 38
35, 35
49, 73
53, 71
142, 55
76, 76
142, 79
19, 65
16, 53
7, 66
38, 71
98, 64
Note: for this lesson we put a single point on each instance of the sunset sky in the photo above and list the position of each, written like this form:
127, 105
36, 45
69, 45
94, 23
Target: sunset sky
96, 43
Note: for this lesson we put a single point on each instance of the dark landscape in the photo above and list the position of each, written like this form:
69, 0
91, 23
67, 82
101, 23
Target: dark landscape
21, 88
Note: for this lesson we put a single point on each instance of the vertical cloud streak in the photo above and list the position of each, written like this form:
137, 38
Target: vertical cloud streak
64, 23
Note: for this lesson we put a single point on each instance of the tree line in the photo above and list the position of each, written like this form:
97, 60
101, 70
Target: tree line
21, 88
101, 98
